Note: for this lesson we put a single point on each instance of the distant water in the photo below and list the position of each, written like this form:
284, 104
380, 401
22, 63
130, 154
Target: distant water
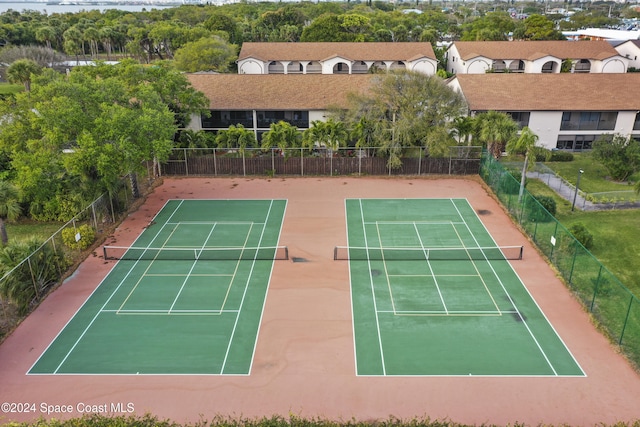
72, 8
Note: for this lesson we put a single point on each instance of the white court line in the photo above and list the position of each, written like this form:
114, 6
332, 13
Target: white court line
431, 313
107, 301
190, 275
433, 275
246, 286
235, 271
193, 265
410, 222
444, 304
524, 322
373, 291
169, 313
384, 264
484, 283
144, 274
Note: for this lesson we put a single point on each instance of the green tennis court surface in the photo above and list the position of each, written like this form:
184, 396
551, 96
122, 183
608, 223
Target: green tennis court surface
187, 299
432, 295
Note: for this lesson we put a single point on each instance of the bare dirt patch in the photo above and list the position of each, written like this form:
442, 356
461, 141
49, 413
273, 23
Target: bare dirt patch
304, 359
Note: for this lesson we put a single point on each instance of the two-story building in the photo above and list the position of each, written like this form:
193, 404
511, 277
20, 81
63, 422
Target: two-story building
630, 49
335, 58
479, 57
257, 101
567, 112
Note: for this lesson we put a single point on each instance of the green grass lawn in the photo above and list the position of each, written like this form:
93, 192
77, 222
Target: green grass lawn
595, 178
24, 229
8, 88
616, 233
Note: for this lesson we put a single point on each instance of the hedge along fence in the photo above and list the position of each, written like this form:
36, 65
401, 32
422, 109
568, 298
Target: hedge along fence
462, 160
610, 302
47, 265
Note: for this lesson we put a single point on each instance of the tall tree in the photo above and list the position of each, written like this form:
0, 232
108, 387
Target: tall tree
236, 137
405, 109
22, 71
620, 155
495, 129
492, 26
281, 135
9, 208
526, 144
537, 27
207, 54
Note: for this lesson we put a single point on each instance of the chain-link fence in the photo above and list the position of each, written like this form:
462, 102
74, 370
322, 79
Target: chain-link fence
606, 298
461, 160
588, 201
23, 283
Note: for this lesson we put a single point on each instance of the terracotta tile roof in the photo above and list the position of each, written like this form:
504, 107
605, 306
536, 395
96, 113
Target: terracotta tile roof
551, 92
278, 91
531, 50
320, 51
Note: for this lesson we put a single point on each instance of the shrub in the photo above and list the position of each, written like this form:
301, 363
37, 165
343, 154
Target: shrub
582, 235
87, 236
556, 156
547, 202
541, 208
561, 156
510, 183
29, 280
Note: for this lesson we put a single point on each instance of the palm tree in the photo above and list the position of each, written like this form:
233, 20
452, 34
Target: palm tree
20, 71
526, 143
495, 129
9, 207
462, 128
282, 135
236, 137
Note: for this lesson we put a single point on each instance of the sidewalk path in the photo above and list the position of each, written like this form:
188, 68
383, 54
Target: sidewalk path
568, 193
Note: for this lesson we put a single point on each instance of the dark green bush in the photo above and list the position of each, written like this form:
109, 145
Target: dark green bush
541, 208
547, 202
509, 183
556, 156
582, 235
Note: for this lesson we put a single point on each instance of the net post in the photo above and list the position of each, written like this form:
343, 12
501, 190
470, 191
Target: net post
521, 252
104, 253
286, 252
335, 253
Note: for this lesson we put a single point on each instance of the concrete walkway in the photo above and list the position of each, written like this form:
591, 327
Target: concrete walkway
569, 192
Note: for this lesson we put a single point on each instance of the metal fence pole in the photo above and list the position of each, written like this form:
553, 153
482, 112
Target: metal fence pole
595, 289
186, 163
626, 320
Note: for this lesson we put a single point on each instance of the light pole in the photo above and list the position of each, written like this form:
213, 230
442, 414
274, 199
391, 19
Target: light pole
580, 172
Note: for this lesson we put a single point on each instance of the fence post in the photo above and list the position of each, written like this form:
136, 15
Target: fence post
331, 162
626, 320
273, 161
186, 162
93, 214
215, 164
573, 262
244, 168
33, 278
554, 246
595, 289
301, 161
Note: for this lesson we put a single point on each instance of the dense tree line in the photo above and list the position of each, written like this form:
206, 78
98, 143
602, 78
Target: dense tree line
183, 32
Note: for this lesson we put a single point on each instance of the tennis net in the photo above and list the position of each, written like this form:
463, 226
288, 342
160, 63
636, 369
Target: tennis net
350, 253
187, 254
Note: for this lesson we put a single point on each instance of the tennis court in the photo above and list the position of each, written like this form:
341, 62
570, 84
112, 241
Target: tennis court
432, 294
186, 298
